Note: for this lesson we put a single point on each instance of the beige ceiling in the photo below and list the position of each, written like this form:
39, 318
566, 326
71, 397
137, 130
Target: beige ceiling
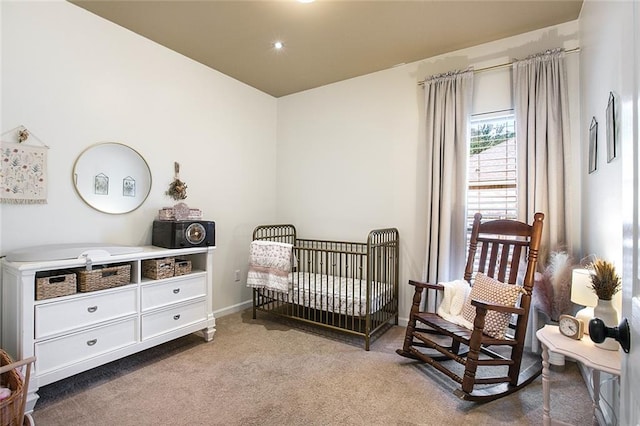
325, 41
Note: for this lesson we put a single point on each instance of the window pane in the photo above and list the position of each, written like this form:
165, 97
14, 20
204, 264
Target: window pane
492, 188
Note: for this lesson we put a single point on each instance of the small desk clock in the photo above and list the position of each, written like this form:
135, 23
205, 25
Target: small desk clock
571, 327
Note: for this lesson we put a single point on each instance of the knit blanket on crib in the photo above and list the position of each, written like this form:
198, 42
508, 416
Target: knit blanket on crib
269, 265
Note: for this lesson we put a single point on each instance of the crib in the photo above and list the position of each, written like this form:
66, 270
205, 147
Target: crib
350, 287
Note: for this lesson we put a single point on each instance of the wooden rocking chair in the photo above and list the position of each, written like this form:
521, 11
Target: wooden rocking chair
431, 339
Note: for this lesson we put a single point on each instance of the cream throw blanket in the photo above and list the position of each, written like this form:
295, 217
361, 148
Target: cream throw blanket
455, 293
269, 265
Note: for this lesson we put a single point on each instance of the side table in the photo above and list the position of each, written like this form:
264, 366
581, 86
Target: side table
584, 351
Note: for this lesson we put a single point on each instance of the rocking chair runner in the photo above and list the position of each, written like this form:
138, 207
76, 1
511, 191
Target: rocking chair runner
502, 245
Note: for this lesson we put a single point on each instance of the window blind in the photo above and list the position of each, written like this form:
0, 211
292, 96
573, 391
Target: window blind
492, 186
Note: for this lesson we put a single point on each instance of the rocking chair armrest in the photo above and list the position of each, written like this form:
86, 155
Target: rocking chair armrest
423, 285
499, 308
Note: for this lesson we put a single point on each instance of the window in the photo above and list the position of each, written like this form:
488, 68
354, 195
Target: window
492, 188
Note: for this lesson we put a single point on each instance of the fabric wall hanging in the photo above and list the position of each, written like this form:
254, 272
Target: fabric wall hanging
23, 168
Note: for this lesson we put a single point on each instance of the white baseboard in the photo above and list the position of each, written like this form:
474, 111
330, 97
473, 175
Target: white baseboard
232, 309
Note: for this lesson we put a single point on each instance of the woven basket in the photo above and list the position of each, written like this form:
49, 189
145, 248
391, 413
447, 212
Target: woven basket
103, 277
11, 408
183, 267
157, 269
61, 284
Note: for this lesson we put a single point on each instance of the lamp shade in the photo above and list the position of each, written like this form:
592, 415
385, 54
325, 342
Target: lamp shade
581, 291
583, 294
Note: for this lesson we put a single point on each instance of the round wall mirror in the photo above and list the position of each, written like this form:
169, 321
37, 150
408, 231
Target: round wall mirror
112, 178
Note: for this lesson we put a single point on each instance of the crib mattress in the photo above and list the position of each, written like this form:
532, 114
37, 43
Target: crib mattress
336, 294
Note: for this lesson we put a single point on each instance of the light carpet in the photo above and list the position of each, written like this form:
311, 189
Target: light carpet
276, 372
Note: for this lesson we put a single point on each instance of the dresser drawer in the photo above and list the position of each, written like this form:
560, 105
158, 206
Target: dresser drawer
173, 318
61, 352
82, 311
155, 295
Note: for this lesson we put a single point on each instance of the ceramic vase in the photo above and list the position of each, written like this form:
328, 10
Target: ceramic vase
608, 314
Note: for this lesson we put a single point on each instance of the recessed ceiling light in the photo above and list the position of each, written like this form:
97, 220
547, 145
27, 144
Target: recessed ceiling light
306, 1
278, 45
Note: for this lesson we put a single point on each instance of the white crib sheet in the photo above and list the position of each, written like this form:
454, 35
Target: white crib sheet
337, 294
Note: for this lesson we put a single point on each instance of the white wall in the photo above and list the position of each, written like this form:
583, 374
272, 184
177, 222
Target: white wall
606, 60
74, 79
351, 154
601, 72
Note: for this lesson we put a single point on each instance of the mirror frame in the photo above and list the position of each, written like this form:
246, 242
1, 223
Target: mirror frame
86, 196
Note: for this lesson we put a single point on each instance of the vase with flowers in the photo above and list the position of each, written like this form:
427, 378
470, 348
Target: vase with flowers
605, 283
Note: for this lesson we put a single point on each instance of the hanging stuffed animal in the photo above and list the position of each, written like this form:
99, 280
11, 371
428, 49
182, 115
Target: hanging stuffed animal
177, 189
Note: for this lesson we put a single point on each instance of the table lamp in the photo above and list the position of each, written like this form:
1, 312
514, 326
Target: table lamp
583, 294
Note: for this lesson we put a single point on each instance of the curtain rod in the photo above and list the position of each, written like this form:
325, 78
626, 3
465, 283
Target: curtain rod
504, 65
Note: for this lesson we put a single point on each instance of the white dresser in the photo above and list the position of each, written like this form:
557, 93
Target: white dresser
73, 333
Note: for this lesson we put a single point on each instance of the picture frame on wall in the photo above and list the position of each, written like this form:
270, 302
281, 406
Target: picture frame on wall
611, 128
593, 145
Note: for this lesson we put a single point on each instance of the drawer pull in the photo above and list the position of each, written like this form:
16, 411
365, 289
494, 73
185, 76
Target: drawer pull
176, 317
92, 309
92, 342
176, 290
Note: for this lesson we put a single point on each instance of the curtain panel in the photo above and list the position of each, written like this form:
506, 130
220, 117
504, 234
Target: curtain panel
542, 132
447, 100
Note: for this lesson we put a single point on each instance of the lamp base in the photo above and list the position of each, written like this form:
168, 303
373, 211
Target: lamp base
585, 315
